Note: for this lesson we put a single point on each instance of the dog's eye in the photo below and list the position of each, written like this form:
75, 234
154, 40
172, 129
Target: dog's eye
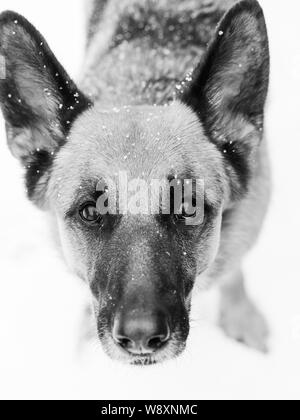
186, 212
89, 213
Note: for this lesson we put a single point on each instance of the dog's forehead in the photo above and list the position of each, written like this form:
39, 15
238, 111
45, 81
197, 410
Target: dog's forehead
146, 142
136, 139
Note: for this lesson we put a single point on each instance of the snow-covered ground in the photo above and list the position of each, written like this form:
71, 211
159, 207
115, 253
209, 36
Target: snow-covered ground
41, 303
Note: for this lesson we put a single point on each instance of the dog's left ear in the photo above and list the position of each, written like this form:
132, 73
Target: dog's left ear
38, 99
228, 89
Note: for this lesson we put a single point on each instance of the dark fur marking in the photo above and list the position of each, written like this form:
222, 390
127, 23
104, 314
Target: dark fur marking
163, 28
97, 11
39, 164
238, 160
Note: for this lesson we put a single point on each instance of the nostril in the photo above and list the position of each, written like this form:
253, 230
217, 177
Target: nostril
156, 343
124, 342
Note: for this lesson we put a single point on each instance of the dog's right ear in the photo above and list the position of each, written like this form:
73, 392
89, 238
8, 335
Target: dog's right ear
38, 99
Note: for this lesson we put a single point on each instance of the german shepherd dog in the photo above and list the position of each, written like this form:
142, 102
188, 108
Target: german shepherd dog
170, 90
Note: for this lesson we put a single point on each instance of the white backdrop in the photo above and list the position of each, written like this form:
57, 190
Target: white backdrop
41, 302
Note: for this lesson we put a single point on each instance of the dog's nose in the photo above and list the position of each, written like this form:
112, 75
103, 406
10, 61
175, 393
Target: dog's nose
141, 334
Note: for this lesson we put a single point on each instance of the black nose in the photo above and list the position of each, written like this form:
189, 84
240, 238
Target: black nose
141, 334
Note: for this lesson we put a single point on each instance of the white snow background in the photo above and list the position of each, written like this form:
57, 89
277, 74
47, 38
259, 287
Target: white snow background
41, 303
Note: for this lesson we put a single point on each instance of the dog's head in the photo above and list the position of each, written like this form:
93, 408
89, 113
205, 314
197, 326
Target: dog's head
141, 266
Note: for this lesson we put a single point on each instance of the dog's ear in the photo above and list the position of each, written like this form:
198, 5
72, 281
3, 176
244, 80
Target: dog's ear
228, 89
38, 99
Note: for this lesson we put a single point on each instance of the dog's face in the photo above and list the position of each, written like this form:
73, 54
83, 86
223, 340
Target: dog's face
140, 266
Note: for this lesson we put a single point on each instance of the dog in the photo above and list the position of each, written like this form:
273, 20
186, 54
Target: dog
170, 90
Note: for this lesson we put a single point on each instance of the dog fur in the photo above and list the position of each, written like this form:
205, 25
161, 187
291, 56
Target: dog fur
163, 94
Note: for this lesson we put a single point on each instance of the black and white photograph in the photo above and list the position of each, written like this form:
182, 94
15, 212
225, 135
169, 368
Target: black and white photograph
149, 218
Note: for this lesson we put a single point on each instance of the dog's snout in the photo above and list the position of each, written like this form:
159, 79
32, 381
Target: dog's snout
141, 334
